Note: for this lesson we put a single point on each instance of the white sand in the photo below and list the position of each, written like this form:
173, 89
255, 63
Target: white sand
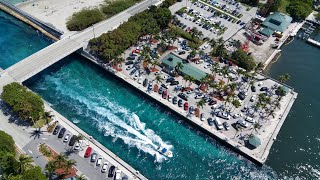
56, 12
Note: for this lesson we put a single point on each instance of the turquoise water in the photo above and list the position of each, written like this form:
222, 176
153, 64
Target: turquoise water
95, 100
17, 40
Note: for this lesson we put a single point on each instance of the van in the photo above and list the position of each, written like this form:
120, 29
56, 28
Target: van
218, 123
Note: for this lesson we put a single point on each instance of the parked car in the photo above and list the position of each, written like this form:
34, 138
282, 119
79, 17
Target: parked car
210, 121
169, 98
186, 106
111, 171
264, 89
88, 152
223, 115
104, 167
218, 123
66, 138
99, 161
118, 175
183, 96
56, 130
174, 100
242, 123
73, 140
253, 88
180, 103
250, 120
226, 125
237, 115
93, 157
253, 98
77, 146
191, 110
181, 52
61, 133
174, 83
212, 102
202, 117
241, 96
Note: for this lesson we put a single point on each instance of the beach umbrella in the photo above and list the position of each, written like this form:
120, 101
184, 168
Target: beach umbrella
254, 141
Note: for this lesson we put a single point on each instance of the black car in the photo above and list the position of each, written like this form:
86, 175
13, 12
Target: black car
183, 96
128, 62
56, 130
73, 140
174, 100
210, 121
170, 79
264, 89
181, 52
164, 86
212, 102
241, 96
180, 103
61, 133
111, 171
253, 89
174, 83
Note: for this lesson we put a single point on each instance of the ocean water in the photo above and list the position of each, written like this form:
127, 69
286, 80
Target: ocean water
18, 40
296, 151
133, 126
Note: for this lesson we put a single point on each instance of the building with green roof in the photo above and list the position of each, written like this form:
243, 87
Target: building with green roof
171, 61
275, 22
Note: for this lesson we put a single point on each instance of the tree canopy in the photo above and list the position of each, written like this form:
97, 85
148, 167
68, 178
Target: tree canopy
84, 18
6, 143
111, 44
299, 9
117, 6
26, 104
243, 59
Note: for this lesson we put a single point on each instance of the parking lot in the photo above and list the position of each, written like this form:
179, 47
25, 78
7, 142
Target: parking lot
214, 22
236, 123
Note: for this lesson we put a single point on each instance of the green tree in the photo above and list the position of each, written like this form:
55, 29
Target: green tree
26, 104
34, 173
6, 143
179, 67
284, 78
84, 19
201, 103
24, 162
159, 79
245, 61
299, 10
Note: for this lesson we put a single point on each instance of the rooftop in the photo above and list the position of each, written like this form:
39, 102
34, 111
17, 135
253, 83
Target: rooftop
172, 61
277, 21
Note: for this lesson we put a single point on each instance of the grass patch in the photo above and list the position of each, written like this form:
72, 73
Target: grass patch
117, 6
283, 6
84, 18
41, 123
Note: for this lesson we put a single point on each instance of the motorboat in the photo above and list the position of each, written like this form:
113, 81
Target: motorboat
165, 152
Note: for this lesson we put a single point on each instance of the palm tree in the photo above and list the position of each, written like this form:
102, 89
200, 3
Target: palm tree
259, 66
24, 162
68, 165
236, 103
154, 63
158, 79
256, 126
284, 78
213, 43
201, 103
179, 67
220, 41
60, 160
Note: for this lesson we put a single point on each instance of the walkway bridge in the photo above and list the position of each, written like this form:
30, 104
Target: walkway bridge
44, 58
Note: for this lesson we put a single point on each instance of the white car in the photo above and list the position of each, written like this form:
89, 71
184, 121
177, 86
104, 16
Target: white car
202, 117
77, 146
190, 91
118, 175
253, 98
237, 115
66, 138
169, 97
104, 167
140, 80
242, 123
250, 120
99, 161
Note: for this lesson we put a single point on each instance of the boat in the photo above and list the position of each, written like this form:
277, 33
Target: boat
165, 152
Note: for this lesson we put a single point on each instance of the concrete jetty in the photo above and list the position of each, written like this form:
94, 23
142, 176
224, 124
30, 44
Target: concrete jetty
313, 42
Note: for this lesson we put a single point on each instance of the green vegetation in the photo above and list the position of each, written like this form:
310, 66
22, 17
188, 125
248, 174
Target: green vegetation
299, 9
16, 168
83, 19
110, 45
26, 104
250, 2
283, 6
318, 16
117, 6
243, 59
45, 150
60, 161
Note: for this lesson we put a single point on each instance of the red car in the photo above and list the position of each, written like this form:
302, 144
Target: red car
165, 94
88, 152
136, 51
186, 106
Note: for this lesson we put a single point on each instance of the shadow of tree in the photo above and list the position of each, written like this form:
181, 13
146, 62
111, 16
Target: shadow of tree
37, 133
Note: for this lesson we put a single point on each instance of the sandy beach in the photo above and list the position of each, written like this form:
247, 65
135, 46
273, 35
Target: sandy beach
56, 12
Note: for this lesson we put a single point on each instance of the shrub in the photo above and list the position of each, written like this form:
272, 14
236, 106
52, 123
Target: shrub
117, 6
44, 150
83, 19
6, 143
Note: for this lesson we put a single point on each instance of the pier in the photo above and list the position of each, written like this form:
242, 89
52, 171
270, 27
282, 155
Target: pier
313, 42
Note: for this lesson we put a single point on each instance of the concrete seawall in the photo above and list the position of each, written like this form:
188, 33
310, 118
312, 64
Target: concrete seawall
46, 30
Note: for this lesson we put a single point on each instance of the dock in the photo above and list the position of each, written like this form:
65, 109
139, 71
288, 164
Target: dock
313, 42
